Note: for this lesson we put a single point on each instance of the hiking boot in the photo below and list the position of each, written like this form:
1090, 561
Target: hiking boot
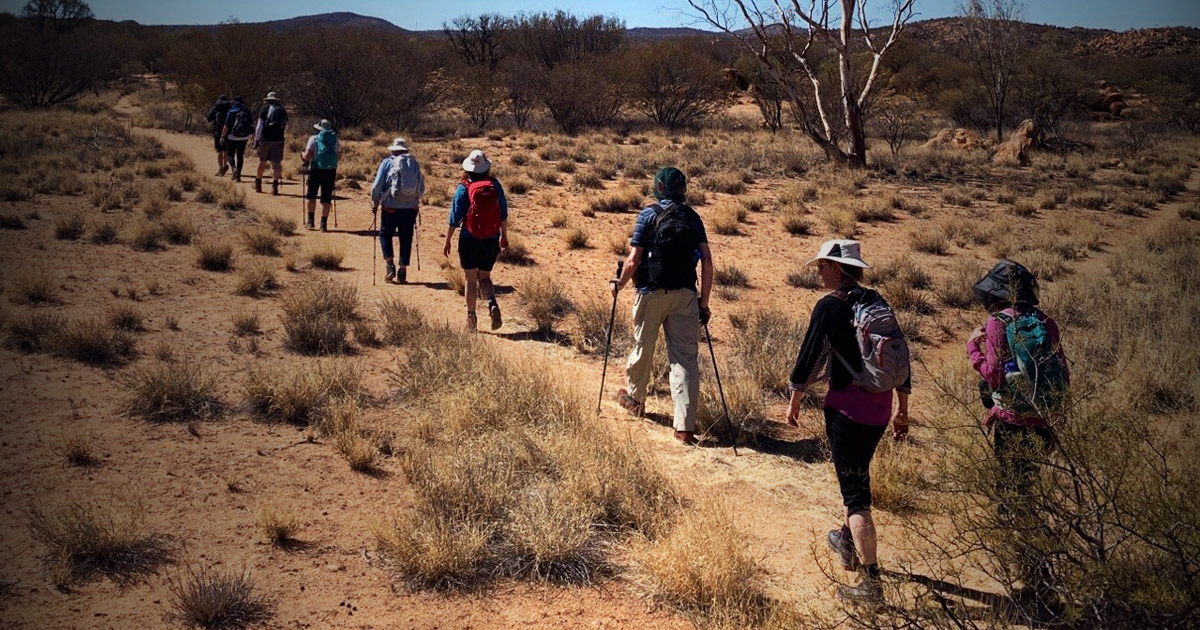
224, 169
687, 437
324, 224
391, 272
402, 276
868, 592
275, 188
472, 323
629, 403
311, 223
257, 184
494, 311
843, 545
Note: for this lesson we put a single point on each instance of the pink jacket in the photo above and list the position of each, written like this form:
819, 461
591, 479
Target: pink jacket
989, 361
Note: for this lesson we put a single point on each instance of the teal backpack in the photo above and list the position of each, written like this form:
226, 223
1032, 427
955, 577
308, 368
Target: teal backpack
1035, 380
326, 157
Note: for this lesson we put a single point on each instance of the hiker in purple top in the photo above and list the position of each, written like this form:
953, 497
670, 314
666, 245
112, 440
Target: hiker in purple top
853, 339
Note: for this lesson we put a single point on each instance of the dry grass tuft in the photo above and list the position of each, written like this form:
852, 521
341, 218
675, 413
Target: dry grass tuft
902, 270
256, 279
621, 200
958, 290
545, 300
517, 252
214, 255
246, 323
34, 288
262, 240
299, 397
841, 221
76, 448
325, 254
86, 540
904, 297
400, 322
804, 278
125, 317
731, 276
69, 227
575, 238
315, 317
725, 222
94, 342
171, 392
932, 241
1025, 209
896, 481
34, 331
278, 523
105, 232
592, 317
283, 226
216, 598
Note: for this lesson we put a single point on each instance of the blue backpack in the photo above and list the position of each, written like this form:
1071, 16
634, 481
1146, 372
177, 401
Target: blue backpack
1035, 379
326, 157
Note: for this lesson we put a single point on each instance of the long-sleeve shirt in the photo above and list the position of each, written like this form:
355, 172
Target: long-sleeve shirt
988, 360
462, 203
379, 190
831, 329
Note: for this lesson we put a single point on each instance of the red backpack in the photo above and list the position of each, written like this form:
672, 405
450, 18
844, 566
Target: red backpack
483, 217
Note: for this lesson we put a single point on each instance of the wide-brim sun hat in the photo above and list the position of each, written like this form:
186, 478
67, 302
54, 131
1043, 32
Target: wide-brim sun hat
271, 97
477, 162
324, 125
843, 251
1009, 282
399, 145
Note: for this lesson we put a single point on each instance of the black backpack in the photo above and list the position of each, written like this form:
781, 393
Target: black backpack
276, 116
671, 251
243, 125
217, 116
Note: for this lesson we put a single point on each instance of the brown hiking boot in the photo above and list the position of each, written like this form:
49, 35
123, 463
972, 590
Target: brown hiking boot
494, 312
629, 403
275, 188
687, 437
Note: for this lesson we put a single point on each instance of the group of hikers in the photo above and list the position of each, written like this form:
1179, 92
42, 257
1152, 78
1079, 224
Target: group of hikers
853, 341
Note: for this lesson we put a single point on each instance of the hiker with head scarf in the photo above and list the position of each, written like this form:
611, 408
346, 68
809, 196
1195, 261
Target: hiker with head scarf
854, 340
399, 186
481, 208
668, 239
239, 127
1018, 354
216, 118
321, 153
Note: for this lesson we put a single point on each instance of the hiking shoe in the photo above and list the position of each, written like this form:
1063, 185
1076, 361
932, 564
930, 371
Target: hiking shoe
472, 323
257, 184
224, 169
629, 403
402, 276
275, 188
687, 437
843, 545
868, 592
324, 224
391, 273
494, 311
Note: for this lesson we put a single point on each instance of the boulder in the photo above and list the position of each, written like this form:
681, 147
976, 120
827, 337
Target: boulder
1015, 150
961, 139
1116, 107
353, 185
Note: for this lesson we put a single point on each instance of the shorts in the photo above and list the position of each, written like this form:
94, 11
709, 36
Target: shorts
852, 445
218, 143
323, 179
477, 253
270, 151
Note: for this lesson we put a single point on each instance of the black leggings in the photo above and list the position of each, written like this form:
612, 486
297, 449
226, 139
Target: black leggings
236, 149
323, 179
853, 446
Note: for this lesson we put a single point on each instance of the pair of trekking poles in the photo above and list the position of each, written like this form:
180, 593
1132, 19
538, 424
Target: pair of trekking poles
375, 245
612, 320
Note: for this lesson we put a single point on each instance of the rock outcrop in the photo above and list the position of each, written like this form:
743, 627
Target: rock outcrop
961, 139
1015, 150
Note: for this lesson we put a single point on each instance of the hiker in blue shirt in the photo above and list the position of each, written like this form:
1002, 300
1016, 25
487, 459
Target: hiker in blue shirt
481, 208
399, 186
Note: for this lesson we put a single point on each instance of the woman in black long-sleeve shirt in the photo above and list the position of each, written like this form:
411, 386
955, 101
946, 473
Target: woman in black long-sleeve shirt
855, 420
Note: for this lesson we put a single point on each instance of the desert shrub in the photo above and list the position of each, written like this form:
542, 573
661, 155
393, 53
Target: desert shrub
794, 223
325, 254
874, 210
591, 334
558, 219
171, 392
262, 240
725, 222
896, 481
841, 221
910, 325
177, 227
399, 321
543, 175
959, 196
277, 522
725, 182
905, 298
518, 185
589, 180
545, 301
299, 397
246, 323
1047, 266
146, 236
214, 255
902, 270
1191, 213
1047, 199
216, 598
932, 241
109, 539
359, 452
1089, 199
1025, 208
618, 245
1126, 205
11, 222
575, 238
957, 291
256, 278
125, 317
517, 252
283, 226
105, 232
34, 331
34, 288
619, 200
69, 227
1007, 196
76, 448
315, 317
1168, 181
731, 276
93, 342
757, 349
805, 278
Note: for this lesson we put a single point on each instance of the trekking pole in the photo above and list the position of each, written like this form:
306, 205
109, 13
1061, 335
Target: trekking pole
335, 212
417, 240
612, 319
374, 245
737, 433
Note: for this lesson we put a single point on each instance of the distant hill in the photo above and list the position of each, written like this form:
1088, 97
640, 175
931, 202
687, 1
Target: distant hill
343, 19
1146, 42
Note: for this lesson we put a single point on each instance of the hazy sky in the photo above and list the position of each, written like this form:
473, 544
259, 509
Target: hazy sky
1112, 14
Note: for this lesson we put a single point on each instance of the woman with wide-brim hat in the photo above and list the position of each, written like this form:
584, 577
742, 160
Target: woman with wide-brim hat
481, 209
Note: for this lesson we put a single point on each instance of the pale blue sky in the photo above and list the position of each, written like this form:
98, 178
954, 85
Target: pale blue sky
1112, 14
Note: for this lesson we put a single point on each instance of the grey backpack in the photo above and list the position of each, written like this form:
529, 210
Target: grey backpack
885, 356
404, 179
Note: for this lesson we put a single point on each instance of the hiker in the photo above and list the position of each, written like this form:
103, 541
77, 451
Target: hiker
216, 118
321, 153
239, 127
1018, 354
854, 340
269, 139
481, 208
399, 186
668, 239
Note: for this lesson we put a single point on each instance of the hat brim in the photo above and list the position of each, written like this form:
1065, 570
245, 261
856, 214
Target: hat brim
853, 262
318, 127
482, 167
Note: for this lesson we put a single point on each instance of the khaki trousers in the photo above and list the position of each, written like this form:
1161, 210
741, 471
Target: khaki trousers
678, 314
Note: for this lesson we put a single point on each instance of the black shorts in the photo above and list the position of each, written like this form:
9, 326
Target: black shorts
477, 253
852, 445
322, 178
218, 144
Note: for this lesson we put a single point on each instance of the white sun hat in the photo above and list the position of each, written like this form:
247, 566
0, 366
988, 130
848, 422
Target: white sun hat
399, 145
271, 97
842, 251
476, 162
324, 125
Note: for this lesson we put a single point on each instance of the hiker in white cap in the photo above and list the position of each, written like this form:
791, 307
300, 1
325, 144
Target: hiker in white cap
481, 208
399, 186
321, 155
854, 340
268, 140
